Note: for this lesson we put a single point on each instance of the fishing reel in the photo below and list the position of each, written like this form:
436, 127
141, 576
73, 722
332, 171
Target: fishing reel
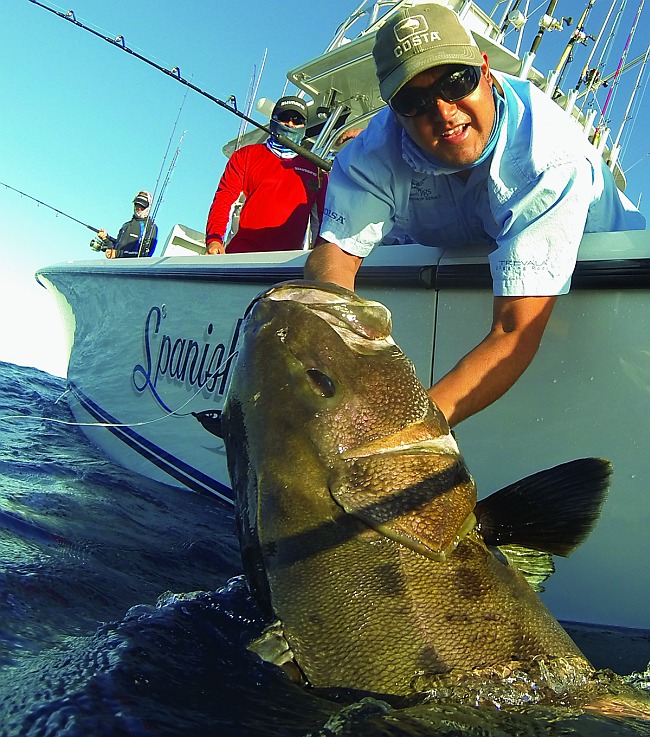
97, 244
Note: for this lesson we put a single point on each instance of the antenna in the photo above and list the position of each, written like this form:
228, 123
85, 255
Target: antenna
250, 99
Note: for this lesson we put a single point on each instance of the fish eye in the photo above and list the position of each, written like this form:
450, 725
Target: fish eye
321, 383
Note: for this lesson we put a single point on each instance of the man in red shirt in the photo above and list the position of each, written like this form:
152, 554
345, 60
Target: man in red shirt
284, 193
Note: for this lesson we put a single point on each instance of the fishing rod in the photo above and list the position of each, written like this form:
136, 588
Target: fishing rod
579, 36
515, 18
156, 205
512, 16
604, 81
616, 148
60, 212
168, 176
254, 86
593, 76
602, 123
175, 74
585, 69
548, 23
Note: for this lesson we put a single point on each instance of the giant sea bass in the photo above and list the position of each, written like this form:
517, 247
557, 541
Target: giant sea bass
360, 531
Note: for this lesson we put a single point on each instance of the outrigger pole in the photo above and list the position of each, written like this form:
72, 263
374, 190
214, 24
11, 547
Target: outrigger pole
60, 212
176, 74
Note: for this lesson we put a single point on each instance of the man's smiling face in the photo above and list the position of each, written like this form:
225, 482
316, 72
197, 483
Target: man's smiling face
455, 133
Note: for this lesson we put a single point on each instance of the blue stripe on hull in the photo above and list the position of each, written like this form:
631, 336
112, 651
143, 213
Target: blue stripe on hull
174, 467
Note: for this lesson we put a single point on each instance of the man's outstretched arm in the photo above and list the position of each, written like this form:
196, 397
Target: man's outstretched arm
328, 263
490, 369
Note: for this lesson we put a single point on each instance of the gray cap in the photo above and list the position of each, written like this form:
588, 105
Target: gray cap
418, 38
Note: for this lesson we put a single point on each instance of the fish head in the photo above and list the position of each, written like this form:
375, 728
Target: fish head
331, 419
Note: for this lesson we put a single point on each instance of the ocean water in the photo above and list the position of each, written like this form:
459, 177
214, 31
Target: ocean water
123, 610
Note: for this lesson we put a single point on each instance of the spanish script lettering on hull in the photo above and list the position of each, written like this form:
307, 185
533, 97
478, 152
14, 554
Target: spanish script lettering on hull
198, 365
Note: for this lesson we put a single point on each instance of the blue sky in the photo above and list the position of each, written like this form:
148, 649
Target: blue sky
84, 126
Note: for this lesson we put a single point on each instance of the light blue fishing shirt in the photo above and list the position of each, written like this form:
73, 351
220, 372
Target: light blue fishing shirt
543, 186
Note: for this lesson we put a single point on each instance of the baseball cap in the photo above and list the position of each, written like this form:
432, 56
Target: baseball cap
418, 38
142, 199
295, 104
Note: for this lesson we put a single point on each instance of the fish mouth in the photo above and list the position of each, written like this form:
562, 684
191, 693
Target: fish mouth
412, 440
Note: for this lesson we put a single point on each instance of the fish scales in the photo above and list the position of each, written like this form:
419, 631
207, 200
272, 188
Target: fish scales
401, 634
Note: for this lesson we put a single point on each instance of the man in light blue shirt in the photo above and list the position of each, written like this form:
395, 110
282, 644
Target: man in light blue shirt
464, 155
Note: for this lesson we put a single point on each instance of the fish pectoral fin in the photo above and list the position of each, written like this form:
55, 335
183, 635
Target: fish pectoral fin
534, 565
273, 647
552, 511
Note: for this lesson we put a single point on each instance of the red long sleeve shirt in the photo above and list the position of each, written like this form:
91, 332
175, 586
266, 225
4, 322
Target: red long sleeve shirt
280, 196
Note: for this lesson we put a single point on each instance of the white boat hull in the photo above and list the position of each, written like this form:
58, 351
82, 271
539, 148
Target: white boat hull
153, 342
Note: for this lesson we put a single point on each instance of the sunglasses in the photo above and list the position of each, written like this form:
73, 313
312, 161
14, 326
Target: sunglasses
410, 102
289, 117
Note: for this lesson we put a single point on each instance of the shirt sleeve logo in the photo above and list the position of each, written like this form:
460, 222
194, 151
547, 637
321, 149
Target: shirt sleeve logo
335, 216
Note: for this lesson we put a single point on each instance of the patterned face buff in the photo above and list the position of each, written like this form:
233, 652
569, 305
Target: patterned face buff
142, 204
295, 135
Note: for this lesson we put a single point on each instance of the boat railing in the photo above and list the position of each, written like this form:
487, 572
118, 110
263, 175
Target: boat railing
354, 114
345, 95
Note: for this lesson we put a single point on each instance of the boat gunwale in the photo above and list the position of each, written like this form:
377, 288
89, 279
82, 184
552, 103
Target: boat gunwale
604, 274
